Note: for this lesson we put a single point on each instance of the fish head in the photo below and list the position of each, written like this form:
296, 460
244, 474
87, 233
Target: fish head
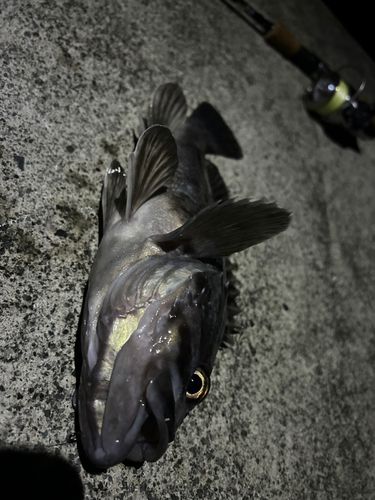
158, 333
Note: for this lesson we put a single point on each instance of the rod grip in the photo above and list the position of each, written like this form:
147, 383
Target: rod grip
281, 39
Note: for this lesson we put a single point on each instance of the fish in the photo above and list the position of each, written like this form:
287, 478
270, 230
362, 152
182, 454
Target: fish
160, 299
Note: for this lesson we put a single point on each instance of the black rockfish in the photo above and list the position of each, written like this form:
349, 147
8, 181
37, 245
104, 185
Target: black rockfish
158, 304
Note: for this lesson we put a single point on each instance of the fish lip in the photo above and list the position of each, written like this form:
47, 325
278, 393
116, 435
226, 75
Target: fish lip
157, 406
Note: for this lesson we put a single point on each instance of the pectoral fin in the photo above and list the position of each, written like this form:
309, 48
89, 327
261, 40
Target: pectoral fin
225, 228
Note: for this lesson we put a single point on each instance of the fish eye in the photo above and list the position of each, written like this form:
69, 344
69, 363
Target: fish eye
198, 386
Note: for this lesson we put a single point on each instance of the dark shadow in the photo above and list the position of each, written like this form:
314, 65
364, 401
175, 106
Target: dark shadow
337, 134
36, 474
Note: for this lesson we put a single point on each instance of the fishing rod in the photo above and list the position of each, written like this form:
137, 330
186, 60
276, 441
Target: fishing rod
329, 98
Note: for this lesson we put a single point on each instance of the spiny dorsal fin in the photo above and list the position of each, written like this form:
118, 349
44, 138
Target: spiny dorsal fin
151, 166
231, 326
168, 107
114, 194
222, 229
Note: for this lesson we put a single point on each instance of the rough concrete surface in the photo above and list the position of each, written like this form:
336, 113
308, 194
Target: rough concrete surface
291, 414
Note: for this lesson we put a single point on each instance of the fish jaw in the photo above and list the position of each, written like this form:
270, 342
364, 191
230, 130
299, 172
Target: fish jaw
142, 433
144, 402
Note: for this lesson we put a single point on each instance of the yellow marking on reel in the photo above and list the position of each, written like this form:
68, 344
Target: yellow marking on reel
339, 98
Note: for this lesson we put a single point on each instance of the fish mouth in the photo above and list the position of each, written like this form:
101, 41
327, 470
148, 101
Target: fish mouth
143, 438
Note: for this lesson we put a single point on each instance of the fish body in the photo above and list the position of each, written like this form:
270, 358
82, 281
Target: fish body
158, 304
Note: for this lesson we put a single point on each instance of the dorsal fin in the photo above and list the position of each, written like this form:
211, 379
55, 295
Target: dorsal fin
231, 325
151, 166
222, 229
168, 107
114, 194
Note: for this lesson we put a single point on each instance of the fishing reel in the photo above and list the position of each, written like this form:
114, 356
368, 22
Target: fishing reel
333, 101
329, 99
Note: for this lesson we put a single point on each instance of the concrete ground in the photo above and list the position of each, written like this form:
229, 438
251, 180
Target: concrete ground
291, 413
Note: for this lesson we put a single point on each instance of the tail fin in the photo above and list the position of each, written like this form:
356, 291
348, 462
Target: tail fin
168, 108
219, 139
